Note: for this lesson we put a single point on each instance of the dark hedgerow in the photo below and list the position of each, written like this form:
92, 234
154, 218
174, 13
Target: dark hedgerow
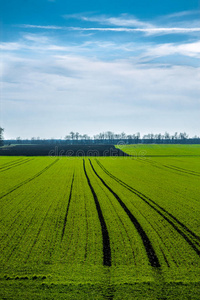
61, 150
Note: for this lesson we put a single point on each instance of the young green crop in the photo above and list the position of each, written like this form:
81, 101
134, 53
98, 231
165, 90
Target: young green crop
53, 237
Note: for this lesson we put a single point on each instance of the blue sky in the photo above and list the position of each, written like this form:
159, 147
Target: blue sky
93, 66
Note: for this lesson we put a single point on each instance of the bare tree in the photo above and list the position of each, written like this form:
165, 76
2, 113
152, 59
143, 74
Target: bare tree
123, 135
151, 136
109, 135
1, 136
72, 135
76, 135
167, 136
176, 135
137, 135
183, 135
101, 135
129, 136
158, 136
85, 137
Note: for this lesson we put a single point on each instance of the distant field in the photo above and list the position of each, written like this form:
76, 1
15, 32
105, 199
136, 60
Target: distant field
160, 150
101, 227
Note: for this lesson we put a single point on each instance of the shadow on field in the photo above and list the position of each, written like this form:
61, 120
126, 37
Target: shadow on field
61, 150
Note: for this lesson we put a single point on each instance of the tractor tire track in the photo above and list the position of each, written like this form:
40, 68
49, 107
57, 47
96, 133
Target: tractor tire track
187, 170
190, 237
172, 167
15, 165
184, 171
105, 235
29, 179
67, 210
119, 225
8, 164
153, 259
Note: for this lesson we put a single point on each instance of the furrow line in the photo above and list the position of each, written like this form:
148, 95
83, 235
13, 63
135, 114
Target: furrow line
66, 214
153, 259
192, 240
172, 167
15, 165
181, 170
105, 235
195, 172
29, 179
87, 235
38, 233
8, 164
20, 238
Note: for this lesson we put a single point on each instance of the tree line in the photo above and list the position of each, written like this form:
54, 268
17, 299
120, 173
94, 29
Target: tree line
108, 137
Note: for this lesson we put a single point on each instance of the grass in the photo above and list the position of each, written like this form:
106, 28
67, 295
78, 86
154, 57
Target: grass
160, 150
52, 237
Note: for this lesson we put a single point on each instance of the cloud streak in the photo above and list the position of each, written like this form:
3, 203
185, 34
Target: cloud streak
150, 31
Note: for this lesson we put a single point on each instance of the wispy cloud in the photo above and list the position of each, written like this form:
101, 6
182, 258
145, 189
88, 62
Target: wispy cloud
149, 31
182, 14
123, 20
10, 46
128, 23
37, 43
187, 49
43, 27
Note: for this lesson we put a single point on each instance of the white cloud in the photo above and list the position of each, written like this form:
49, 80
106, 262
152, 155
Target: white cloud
182, 14
60, 87
125, 20
149, 31
72, 91
127, 23
36, 38
187, 49
43, 27
10, 46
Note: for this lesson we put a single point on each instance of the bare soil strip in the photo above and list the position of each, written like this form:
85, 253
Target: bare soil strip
65, 220
153, 259
105, 235
190, 237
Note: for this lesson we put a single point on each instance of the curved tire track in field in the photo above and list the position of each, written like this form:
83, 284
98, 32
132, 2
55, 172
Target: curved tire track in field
105, 235
10, 163
153, 259
29, 179
119, 225
198, 173
172, 167
190, 237
181, 170
15, 165
66, 214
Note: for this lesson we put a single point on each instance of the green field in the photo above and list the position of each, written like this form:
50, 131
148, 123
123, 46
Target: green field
102, 227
